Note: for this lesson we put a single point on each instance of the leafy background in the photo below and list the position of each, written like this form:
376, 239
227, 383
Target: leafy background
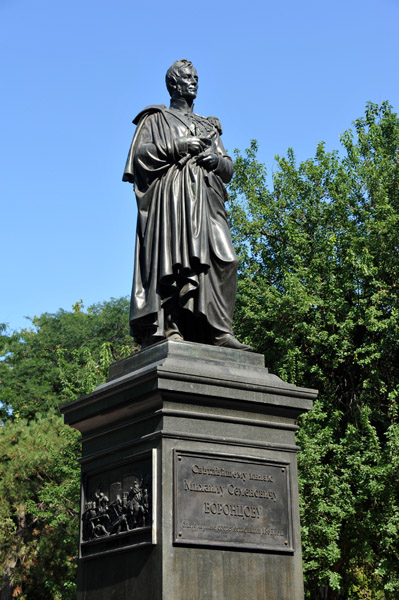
318, 295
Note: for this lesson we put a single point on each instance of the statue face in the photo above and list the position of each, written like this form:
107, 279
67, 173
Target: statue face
187, 83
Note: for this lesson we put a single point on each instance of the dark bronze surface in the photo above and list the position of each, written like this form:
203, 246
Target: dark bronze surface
185, 274
117, 507
219, 406
223, 500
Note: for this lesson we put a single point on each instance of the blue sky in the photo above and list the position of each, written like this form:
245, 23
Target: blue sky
75, 73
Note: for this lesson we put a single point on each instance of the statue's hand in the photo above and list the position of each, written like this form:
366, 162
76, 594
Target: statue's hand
208, 161
192, 145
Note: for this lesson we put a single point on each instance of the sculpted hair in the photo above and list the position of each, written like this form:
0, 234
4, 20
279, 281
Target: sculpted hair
173, 71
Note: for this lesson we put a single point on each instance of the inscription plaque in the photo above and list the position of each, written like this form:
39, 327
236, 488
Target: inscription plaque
223, 500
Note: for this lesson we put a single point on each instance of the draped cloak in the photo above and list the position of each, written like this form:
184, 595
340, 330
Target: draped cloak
185, 263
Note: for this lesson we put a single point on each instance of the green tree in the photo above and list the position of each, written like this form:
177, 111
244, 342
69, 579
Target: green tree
318, 295
62, 356
34, 360
39, 499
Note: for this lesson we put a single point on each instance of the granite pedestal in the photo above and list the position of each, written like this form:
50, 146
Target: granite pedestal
189, 478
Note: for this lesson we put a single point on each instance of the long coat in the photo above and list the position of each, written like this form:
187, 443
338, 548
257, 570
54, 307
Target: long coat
184, 257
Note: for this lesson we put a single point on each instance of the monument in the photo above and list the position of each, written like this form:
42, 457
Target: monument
185, 277
189, 482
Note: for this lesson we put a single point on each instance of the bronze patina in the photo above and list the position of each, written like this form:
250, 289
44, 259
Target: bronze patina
185, 275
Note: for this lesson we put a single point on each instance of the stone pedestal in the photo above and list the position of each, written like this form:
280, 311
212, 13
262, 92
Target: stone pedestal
189, 478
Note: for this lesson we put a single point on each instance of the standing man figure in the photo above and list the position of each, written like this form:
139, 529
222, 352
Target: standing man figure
185, 275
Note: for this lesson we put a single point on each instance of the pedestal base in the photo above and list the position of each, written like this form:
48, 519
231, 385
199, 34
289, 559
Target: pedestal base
189, 481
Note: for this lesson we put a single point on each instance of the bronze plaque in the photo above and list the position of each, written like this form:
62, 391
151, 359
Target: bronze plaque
118, 506
223, 500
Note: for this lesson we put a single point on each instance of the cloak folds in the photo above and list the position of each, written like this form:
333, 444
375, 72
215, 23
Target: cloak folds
185, 263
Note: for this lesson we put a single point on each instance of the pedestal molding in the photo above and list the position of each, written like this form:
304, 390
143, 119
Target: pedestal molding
178, 435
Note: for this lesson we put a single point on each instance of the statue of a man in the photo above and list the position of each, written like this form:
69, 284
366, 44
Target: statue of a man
185, 274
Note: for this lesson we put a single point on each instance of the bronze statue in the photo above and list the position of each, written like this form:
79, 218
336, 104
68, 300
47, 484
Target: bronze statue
185, 275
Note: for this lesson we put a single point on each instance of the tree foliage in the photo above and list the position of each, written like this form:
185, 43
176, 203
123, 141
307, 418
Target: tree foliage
62, 356
39, 491
318, 295
34, 373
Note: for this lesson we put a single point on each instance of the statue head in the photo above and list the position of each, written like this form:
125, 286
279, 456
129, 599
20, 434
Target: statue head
182, 80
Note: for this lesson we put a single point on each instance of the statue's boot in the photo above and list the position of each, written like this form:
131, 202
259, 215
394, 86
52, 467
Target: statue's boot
227, 340
172, 332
